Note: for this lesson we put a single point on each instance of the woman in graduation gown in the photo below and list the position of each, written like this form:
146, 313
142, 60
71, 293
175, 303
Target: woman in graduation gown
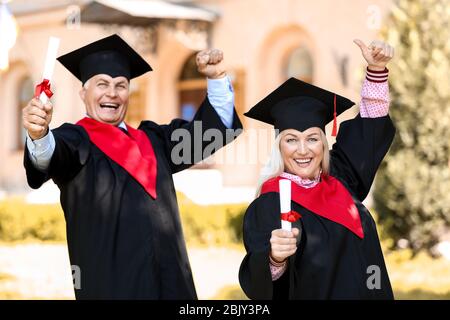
333, 250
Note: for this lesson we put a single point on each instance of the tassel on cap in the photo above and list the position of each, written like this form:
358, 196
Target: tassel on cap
334, 132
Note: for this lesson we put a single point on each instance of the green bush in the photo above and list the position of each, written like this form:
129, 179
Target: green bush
412, 190
202, 225
20, 221
213, 224
231, 292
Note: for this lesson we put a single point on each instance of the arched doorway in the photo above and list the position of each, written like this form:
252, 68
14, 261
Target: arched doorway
287, 51
299, 64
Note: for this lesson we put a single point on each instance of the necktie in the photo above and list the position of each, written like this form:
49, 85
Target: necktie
124, 131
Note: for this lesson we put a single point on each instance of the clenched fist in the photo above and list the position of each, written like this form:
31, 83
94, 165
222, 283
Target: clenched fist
210, 63
377, 54
36, 118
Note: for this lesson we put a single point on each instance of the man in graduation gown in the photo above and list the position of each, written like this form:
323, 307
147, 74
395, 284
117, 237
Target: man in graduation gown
337, 254
119, 201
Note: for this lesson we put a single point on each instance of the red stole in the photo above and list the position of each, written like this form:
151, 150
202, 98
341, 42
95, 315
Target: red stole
134, 153
328, 199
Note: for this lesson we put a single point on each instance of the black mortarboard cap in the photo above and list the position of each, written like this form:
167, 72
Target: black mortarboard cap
299, 105
110, 55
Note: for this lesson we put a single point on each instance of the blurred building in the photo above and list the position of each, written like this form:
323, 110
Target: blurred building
264, 41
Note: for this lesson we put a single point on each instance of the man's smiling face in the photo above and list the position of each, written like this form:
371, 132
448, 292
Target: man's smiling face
106, 98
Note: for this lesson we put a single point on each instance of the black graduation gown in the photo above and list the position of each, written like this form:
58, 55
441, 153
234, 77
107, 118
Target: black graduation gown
126, 244
331, 262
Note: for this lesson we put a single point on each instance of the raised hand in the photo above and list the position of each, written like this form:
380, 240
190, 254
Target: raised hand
377, 54
36, 118
210, 63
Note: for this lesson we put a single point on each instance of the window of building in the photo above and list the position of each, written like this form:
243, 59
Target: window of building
191, 88
191, 93
136, 103
300, 65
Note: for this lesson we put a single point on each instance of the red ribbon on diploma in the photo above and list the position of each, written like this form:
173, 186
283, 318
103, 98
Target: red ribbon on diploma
44, 86
291, 216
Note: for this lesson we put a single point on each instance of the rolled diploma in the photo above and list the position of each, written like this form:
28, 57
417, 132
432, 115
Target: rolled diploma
52, 51
285, 201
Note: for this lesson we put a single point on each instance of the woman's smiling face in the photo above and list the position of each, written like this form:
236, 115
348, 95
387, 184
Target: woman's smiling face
302, 152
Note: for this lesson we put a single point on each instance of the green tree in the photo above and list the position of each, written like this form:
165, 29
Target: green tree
412, 189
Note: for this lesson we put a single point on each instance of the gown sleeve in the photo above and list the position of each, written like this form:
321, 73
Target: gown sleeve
71, 153
181, 135
261, 218
361, 145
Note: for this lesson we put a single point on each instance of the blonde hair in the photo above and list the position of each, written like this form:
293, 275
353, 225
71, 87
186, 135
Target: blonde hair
275, 165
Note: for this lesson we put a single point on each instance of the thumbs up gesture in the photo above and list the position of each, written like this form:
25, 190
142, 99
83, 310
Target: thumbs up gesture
377, 54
